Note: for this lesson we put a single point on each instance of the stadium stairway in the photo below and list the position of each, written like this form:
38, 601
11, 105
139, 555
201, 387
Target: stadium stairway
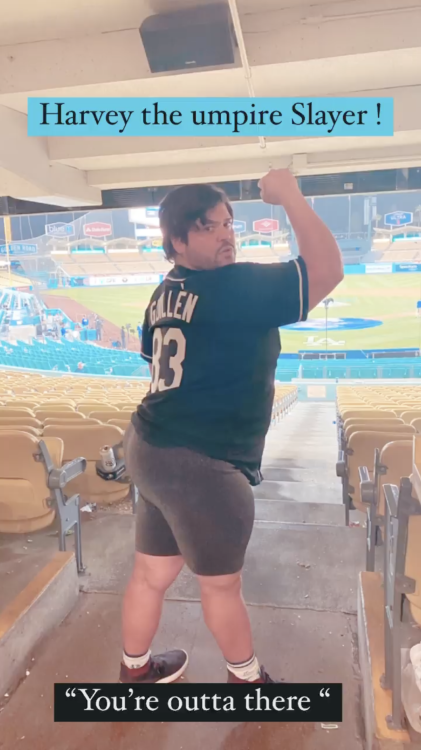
300, 582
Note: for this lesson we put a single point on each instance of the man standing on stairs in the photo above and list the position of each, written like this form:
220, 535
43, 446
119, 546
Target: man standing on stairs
195, 444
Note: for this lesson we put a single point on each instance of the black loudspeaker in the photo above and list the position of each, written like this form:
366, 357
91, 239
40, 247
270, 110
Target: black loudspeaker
191, 38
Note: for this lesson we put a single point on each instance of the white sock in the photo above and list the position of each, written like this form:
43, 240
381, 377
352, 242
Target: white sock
135, 662
247, 670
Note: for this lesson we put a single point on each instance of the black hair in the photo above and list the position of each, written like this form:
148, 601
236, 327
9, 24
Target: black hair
183, 207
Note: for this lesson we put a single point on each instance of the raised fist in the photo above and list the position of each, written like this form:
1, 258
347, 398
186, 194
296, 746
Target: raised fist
277, 186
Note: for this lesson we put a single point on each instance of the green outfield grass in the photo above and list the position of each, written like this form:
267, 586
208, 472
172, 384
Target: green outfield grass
390, 298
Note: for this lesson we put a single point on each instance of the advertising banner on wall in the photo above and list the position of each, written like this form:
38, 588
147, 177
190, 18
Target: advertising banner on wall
266, 225
139, 278
398, 218
379, 268
97, 229
407, 267
382, 268
17, 248
60, 229
239, 226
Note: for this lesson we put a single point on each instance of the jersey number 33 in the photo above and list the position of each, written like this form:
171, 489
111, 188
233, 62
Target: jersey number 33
168, 355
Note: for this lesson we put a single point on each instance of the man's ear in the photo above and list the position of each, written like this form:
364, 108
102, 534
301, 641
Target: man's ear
178, 245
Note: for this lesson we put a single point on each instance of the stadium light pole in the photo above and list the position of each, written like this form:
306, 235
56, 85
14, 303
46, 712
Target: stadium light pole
326, 303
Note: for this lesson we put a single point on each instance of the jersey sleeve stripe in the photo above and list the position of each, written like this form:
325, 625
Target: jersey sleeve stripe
145, 356
300, 287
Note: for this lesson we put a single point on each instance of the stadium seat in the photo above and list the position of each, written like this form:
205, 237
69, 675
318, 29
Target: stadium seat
408, 416
387, 422
57, 406
121, 423
86, 409
397, 458
417, 424
413, 566
360, 452
402, 585
24, 494
43, 414
378, 427
22, 389
106, 414
66, 421
18, 404
401, 409
22, 428
87, 442
363, 446
30, 421
391, 464
368, 413
103, 407
18, 412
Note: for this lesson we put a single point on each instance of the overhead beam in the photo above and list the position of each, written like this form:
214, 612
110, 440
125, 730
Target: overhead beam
62, 63
27, 159
332, 29
250, 169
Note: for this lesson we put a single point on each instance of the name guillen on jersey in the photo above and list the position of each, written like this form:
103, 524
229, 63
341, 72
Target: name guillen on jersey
168, 305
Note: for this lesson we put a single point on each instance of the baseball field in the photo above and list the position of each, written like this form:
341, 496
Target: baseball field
367, 312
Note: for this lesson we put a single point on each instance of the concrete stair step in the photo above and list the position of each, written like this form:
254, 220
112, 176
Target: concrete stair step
287, 511
275, 571
291, 565
300, 492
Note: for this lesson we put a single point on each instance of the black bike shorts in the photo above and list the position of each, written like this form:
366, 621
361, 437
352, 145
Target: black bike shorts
190, 505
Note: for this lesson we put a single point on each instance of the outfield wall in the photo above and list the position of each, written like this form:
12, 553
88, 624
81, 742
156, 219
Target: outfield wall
377, 268
142, 279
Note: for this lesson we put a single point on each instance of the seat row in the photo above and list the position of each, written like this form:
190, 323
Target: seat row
369, 419
391, 495
81, 435
380, 467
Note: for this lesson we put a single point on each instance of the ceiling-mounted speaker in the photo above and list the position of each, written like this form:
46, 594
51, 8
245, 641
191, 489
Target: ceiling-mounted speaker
200, 37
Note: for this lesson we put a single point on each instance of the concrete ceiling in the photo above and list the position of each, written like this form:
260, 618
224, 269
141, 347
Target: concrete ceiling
294, 48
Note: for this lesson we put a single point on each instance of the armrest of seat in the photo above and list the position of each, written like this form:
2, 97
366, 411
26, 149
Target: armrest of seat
391, 496
366, 485
59, 477
52, 450
341, 465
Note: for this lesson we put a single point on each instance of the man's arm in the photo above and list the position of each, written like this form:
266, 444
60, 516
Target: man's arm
317, 246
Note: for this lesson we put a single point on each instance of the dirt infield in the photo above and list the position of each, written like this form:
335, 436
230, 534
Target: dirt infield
75, 311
